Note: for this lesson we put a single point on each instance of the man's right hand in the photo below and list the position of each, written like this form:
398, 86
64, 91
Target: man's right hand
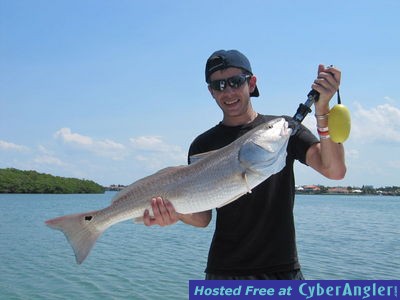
164, 213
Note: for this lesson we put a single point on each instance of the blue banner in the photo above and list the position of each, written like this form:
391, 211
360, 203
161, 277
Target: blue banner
290, 289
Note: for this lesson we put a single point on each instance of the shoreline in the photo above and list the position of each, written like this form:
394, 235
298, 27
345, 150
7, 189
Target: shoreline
348, 194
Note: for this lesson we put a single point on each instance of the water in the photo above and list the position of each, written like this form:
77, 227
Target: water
339, 237
349, 237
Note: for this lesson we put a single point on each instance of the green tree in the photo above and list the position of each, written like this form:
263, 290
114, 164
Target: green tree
17, 181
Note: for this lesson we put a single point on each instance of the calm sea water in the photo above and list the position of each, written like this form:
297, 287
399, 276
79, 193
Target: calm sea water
339, 237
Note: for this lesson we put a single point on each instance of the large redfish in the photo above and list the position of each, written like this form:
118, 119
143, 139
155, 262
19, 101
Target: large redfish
212, 180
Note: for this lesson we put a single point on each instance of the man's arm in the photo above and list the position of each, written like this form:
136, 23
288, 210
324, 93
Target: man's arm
326, 157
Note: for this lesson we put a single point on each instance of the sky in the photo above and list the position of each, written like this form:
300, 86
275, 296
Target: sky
113, 91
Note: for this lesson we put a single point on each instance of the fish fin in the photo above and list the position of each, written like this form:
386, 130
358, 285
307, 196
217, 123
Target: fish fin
169, 170
244, 175
200, 156
79, 231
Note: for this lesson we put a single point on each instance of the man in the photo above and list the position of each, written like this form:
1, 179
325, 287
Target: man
255, 235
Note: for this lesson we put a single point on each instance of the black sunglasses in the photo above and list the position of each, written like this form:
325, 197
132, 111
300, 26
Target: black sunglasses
234, 82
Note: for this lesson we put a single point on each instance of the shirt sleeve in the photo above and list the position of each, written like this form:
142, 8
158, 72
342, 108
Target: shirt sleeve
300, 143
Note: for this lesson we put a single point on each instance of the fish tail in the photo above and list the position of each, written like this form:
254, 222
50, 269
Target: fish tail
80, 231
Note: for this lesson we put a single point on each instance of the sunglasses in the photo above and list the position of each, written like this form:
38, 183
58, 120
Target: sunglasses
234, 82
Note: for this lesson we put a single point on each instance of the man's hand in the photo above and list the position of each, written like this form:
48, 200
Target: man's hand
327, 83
164, 213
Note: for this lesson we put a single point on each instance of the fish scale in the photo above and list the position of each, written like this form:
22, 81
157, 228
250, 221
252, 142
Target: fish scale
212, 180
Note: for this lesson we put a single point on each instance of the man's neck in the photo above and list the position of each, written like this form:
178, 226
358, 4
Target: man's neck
240, 120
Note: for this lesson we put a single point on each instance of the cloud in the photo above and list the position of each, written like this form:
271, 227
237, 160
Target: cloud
72, 154
47, 157
87, 156
105, 148
7, 146
155, 153
152, 143
381, 123
389, 99
67, 136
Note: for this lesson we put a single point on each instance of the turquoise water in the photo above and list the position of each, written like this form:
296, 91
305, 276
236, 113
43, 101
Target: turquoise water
338, 237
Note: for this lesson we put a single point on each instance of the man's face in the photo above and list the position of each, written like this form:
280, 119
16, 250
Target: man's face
234, 101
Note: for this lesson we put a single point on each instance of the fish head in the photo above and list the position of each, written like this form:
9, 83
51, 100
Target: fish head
272, 135
264, 151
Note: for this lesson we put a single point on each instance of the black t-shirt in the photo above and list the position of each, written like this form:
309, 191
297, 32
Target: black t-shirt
255, 234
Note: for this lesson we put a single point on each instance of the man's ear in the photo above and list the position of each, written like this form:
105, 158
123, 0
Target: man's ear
252, 83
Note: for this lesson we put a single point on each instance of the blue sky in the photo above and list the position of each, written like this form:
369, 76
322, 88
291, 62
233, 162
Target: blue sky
114, 90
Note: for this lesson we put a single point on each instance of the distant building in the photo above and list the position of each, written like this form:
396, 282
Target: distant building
311, 188
338, 190
115, 187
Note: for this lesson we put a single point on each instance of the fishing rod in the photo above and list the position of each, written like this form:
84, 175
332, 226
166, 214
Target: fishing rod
305, 108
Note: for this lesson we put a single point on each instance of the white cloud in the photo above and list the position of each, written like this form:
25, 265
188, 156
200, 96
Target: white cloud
155, 153
109, 145
389, 99
105, 148
44, 150
7, 146
153, 143
381, 123
47, 157
135, 158
146, 142
67, 136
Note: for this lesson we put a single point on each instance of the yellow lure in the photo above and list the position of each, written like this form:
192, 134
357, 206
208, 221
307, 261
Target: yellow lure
339, 123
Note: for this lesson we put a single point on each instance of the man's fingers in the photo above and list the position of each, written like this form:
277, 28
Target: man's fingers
164, 213
146, 218
173, 216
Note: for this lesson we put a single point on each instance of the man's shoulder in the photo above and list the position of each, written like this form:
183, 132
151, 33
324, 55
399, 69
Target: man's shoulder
267, 118
204, 138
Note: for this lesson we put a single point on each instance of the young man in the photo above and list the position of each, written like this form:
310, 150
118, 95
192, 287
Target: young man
255, 235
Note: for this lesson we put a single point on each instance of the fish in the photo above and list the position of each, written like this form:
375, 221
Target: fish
211, 180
